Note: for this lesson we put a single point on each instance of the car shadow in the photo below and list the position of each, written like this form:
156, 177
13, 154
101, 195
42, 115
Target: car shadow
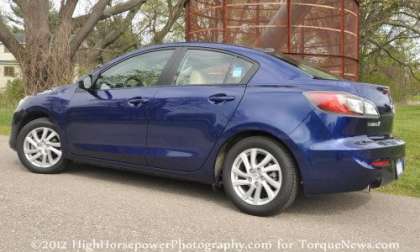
329, 204
150, 182
320, 205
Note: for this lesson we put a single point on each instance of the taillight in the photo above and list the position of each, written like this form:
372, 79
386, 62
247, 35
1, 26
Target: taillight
342, 103
381, 163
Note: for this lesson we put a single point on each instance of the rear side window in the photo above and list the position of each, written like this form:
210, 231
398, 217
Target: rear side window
200, 67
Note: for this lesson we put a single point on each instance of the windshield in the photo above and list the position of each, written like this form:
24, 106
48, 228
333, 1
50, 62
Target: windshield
316, 73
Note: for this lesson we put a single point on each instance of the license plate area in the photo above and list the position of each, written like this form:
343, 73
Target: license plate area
399, 167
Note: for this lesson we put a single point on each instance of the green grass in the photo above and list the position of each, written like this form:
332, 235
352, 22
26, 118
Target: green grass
5, 119
415, 98
407, 127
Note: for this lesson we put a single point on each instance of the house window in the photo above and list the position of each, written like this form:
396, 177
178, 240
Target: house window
9, 71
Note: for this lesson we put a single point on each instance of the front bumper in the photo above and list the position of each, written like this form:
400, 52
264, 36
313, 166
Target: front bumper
343, 165
16, 125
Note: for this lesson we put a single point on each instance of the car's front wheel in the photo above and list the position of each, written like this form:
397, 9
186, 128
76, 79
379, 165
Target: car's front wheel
39, 147
260, 176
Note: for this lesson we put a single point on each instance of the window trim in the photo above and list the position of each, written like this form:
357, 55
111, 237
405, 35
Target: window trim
171, 67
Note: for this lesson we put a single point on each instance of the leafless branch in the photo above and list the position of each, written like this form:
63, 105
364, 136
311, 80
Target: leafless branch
114, 10
92, 20
174, 14
113, 36
67, 9
9, 40
402, 63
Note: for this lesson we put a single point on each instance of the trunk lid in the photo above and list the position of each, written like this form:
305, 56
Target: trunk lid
380, 95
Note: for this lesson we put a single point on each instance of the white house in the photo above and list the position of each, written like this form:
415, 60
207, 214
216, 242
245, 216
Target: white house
9, 68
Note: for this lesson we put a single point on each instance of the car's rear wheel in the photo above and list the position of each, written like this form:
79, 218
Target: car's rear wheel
260, 176
39, 147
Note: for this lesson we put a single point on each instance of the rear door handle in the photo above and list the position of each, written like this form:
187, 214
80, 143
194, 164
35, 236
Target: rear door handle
137, 101
219, 98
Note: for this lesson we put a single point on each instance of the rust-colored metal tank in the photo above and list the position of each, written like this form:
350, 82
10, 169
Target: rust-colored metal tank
324, 32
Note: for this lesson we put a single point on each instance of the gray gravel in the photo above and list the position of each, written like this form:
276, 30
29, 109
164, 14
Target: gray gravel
91, 206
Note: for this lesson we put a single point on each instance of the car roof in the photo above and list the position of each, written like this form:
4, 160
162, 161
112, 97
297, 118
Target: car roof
247, 52
223, 46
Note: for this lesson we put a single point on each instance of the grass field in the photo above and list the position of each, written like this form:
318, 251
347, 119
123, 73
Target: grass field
407, 127
5, 119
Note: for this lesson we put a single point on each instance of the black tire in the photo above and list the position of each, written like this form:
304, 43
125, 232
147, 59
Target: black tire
40, 122
289, 188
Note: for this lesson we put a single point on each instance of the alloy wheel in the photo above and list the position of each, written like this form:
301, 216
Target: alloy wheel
256, 176
42, 147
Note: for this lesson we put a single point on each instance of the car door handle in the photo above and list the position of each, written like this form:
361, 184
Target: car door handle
137, 101
219, 98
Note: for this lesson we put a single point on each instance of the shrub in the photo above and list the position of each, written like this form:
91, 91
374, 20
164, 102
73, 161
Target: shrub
13, 92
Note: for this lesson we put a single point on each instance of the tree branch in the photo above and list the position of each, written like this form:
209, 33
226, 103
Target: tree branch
122, 7
19, 3
174, 14
399, 37
67, 9
401, 25
412, 72
116, 33
9, 40
92, 20
114, 10
113, 36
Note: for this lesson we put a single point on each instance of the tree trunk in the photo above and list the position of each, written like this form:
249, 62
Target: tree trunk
46, 59
46, 71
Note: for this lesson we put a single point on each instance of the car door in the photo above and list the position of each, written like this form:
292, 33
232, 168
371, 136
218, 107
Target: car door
110, 121
187, 117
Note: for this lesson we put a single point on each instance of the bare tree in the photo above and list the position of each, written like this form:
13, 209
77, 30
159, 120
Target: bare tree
103, 39
174, 12
47, 57
157, 21
161, 19
385, 25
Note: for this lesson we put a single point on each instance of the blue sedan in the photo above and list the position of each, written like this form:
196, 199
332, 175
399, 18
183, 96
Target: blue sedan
259, 124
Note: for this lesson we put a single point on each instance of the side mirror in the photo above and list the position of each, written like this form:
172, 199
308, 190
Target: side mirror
86, 82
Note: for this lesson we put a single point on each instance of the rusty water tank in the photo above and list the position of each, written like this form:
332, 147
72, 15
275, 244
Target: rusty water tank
323, 32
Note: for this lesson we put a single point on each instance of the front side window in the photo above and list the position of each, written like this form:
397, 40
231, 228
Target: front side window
201, 67
139, 71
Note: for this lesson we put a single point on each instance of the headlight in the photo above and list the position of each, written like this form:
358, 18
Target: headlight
21, 102
45, 92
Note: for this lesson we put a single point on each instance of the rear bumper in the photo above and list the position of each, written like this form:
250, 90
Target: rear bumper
343, 165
